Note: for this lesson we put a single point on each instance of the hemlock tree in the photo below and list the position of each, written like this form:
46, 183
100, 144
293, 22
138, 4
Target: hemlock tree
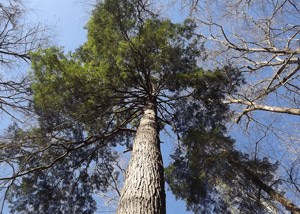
212, 176
136, 74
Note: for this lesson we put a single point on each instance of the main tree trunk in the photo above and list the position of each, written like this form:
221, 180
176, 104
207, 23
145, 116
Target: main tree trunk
143, 191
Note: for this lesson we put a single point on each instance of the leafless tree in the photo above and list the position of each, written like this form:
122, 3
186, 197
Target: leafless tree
262, 39
18, 37
111, 198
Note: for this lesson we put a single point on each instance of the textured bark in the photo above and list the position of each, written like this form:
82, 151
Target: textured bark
143, 190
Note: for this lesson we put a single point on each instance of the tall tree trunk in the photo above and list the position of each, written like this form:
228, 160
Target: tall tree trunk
143, 190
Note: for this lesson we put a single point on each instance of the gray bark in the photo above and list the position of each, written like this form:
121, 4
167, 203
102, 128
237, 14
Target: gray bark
143, 190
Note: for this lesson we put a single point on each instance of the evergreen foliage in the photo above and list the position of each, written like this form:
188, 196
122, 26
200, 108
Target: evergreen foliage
211, 176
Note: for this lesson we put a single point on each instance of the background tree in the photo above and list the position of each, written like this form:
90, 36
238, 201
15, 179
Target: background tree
210, 175
261, 38
18, 37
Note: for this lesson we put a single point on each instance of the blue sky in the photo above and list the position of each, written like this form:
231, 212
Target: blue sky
67, 19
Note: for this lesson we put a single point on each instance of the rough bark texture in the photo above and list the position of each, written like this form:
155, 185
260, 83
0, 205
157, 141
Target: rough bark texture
143, 190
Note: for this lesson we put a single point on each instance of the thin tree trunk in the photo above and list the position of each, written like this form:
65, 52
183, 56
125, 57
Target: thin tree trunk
275, 195
287, 204
143, 191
